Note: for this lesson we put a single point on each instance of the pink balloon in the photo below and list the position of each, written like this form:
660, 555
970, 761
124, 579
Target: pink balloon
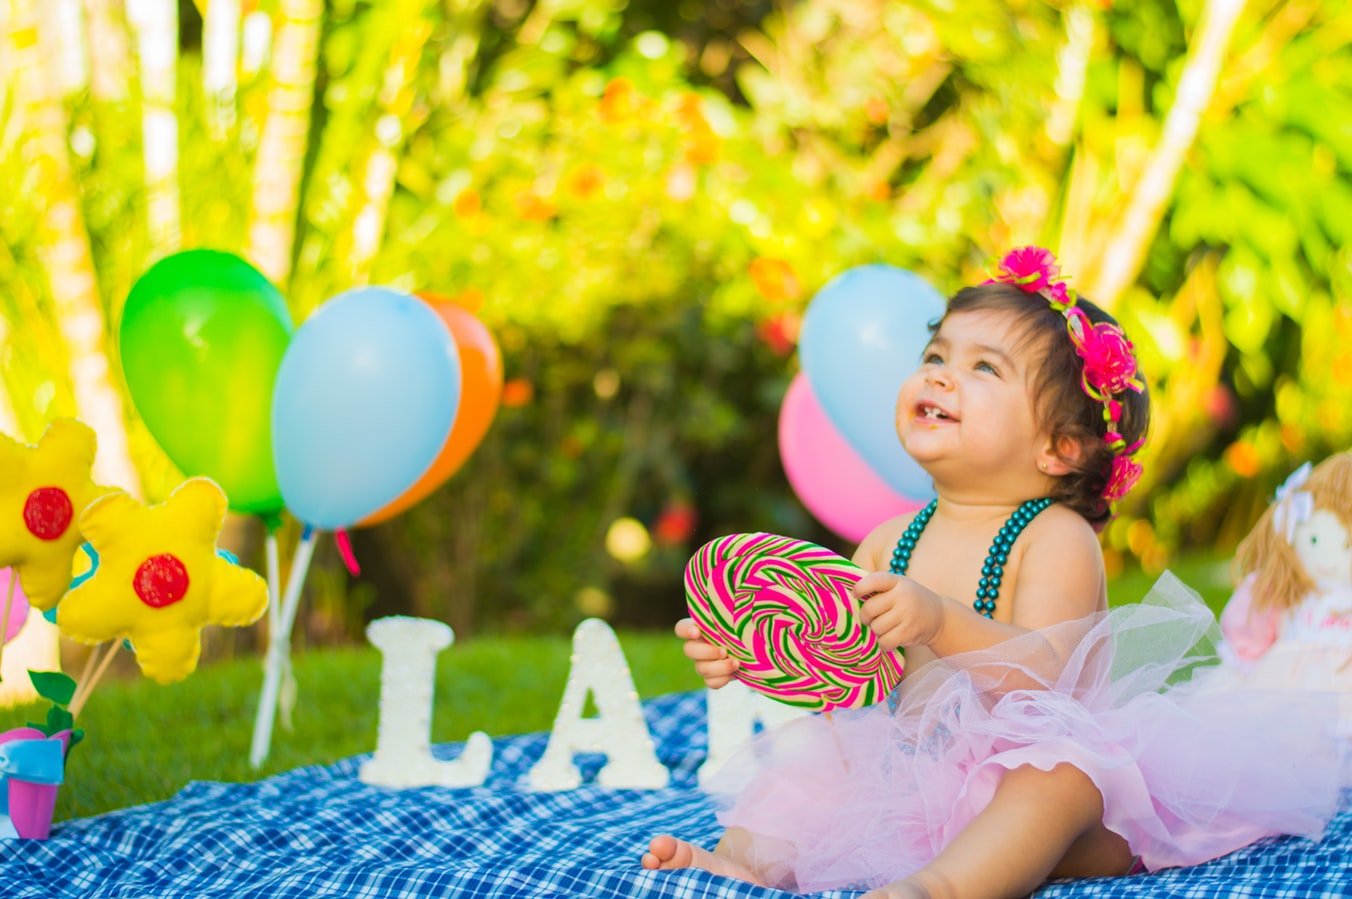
18, 609
832, 480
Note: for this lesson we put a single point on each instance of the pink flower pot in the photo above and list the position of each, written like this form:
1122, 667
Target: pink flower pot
31, 804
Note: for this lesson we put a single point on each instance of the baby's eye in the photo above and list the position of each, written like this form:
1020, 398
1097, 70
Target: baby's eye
987, 367
932, 359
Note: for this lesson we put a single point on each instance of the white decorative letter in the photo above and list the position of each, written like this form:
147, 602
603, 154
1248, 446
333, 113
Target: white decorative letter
734, 711
403, 757
618, 729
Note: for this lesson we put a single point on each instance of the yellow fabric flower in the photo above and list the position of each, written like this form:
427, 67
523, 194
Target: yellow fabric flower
159, 580
43, 490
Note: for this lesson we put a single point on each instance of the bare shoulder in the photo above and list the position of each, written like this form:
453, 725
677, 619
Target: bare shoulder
1060, 572
874, 552
1061, 532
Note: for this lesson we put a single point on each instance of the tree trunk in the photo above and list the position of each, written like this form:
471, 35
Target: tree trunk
220, 54
66, 18
64, 249
1125, 251
110, 54
156, 24
392, 126
281, 148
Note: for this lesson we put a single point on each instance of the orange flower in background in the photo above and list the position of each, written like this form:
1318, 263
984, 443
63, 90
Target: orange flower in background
534, 208
620, 100
774, 279
1221, 407
690, 112
517, 392
703, 145
1243, 458
675, 524
780, 332
586, 180
467, 203
876, 109
879, 192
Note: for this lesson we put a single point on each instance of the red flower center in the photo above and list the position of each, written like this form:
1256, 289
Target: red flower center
161, 581
47, 513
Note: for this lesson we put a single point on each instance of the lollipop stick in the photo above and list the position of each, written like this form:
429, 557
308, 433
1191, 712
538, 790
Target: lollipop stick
82, 697
91, 661
9, 603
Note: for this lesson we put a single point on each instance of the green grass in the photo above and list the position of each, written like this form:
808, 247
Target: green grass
1208, 575
146, 741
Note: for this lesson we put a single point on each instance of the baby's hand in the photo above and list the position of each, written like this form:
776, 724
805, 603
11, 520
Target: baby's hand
898, 610
711, 662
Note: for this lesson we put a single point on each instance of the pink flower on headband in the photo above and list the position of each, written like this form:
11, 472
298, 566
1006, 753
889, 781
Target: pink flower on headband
1125, 472
1029, 268
1109, 364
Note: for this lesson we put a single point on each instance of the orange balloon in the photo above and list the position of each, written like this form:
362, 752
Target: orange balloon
480, 393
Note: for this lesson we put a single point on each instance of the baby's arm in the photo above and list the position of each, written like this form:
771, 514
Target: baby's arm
1060, 578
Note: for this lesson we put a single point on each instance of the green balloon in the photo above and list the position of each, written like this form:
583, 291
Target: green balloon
203, 334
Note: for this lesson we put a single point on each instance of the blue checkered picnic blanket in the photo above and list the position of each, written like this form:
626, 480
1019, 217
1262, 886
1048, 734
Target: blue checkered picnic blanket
319, 831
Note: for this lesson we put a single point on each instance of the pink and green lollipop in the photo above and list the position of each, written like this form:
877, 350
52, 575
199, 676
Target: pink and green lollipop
783, 608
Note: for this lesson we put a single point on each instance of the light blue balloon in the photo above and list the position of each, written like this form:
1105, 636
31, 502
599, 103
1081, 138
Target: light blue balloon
862, 336
364, 401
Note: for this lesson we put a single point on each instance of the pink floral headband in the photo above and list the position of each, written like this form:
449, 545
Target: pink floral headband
1109, 362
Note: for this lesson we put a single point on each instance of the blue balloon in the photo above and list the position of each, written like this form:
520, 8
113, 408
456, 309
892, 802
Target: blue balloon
364, 400
862, 336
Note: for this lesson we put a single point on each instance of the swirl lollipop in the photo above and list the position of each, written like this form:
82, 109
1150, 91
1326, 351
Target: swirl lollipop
783, 608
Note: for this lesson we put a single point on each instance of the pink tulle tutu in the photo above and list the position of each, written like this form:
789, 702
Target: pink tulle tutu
862, 797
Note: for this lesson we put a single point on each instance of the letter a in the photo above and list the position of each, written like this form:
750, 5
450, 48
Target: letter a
618, 730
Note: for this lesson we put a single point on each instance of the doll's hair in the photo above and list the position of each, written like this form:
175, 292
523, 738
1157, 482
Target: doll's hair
1281, 580
1060, 405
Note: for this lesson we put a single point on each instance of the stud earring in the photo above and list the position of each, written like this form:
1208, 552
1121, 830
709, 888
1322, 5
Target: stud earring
1042, 465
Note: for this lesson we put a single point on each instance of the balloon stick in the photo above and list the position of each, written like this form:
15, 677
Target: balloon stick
279, 650
286, 699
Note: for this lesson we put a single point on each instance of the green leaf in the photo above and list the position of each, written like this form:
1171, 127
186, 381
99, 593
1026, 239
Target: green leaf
58, 719
54, 686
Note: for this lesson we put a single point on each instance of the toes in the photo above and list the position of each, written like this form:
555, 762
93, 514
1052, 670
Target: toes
662, 847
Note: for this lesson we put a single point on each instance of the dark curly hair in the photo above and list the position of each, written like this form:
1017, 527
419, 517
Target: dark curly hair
1060, 405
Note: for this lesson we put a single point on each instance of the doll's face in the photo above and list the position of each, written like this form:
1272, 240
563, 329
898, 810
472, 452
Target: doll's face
1321, 542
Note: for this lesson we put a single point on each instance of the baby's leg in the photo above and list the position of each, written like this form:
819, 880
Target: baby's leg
1038, 822
730, 858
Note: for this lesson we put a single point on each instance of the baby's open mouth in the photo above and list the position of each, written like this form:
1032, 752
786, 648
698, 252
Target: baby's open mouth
931, 412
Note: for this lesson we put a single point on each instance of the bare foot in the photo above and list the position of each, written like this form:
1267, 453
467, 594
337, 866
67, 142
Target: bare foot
667, 853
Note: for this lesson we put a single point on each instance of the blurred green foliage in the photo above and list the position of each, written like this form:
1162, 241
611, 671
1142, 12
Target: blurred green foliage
641, 198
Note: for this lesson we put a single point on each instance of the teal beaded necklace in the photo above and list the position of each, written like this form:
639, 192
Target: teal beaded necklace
988, 588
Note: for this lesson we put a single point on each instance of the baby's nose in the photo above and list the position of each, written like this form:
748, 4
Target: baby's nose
938, 377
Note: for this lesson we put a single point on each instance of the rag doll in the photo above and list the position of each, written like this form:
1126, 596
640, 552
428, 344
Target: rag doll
1289, 622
